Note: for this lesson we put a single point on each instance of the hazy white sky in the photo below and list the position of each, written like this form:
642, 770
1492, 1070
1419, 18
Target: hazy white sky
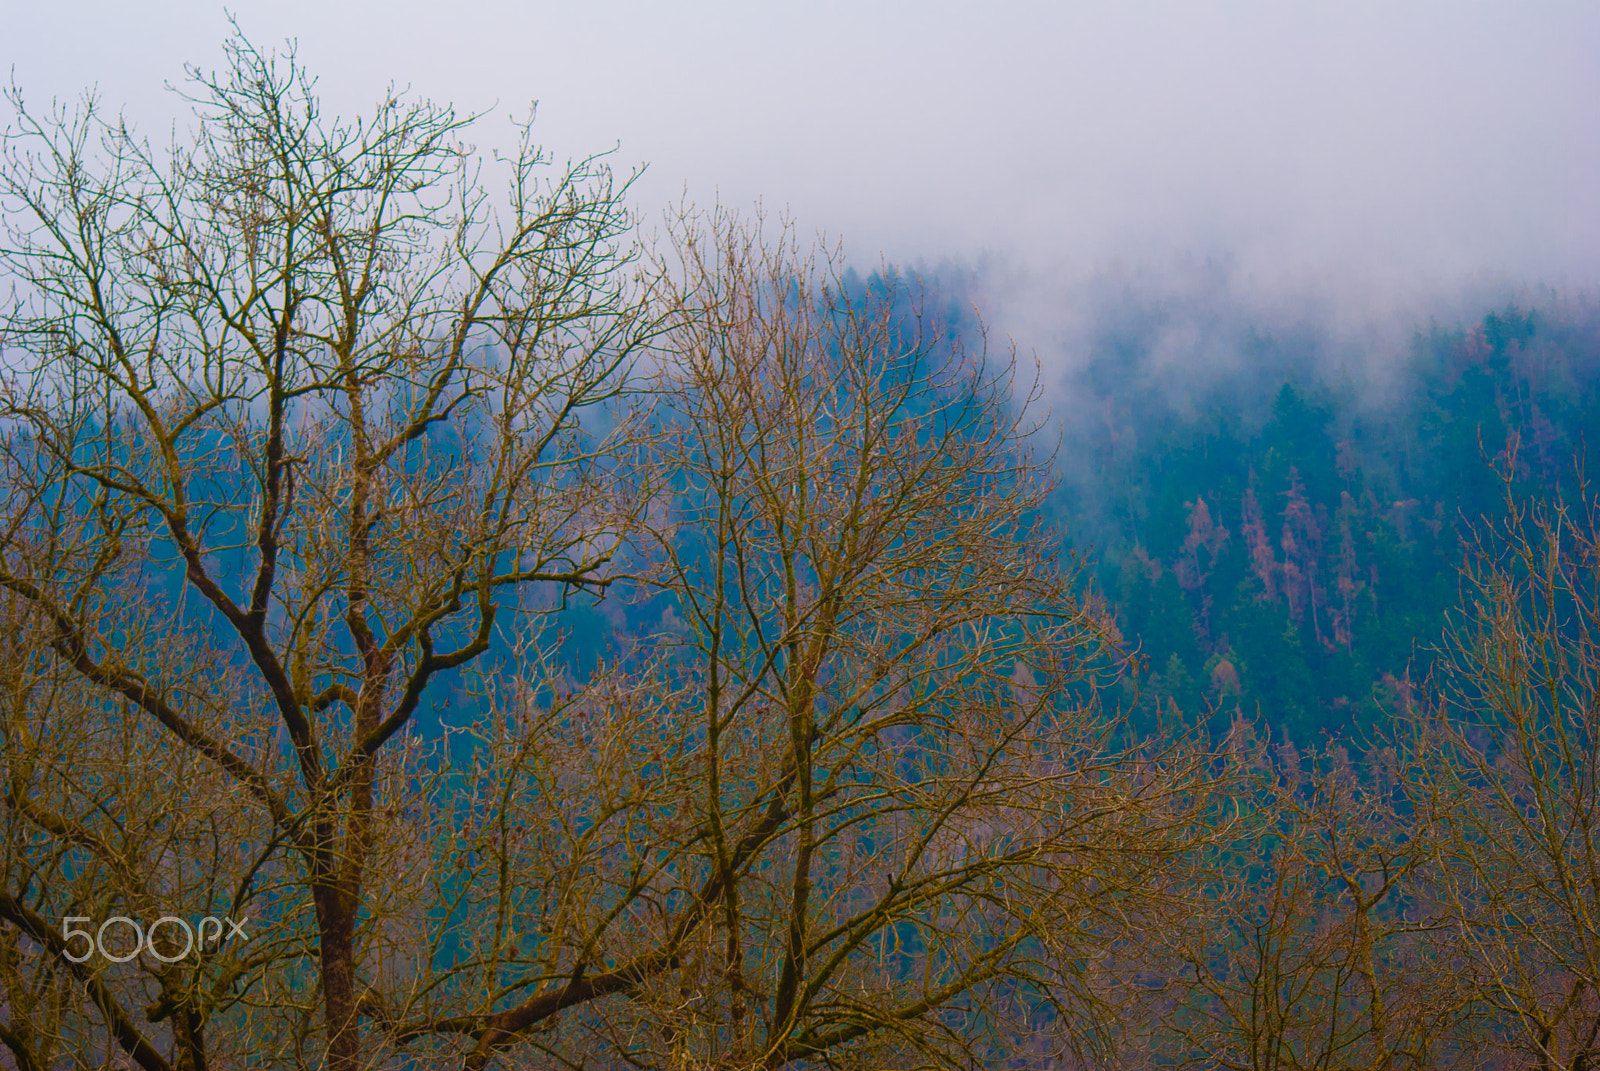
1368, 140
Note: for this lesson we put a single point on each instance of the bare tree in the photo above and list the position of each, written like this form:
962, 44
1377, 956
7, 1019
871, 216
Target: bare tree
294, 414
1510, 774
1307, 941
856, 802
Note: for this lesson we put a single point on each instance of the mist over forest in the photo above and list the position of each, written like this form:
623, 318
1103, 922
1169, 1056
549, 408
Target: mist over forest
1276, 495
456, 614
1277, 505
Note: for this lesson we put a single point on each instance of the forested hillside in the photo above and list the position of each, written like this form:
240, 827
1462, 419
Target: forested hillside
1279, 532
1281, 536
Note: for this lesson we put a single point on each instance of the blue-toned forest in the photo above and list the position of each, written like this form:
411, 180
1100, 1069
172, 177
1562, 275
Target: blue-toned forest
441, 627
1280, 533
1284, 538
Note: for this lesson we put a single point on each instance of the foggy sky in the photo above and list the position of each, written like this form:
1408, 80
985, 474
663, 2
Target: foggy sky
1364, 148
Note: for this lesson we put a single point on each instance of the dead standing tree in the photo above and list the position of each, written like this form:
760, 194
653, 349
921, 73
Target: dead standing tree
297, 387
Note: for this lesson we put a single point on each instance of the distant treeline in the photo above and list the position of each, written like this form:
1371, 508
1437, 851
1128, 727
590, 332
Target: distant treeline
1281, 536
